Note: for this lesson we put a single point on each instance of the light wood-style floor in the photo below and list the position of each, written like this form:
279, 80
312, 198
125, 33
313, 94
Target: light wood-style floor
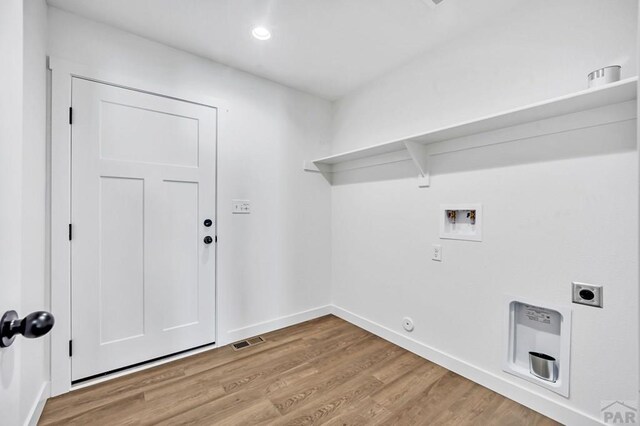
324, 371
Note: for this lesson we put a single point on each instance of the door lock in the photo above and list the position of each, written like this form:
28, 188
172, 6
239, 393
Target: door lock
208, 222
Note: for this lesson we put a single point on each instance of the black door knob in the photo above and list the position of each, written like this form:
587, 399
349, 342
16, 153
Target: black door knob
208, 240
36, 324
208, 222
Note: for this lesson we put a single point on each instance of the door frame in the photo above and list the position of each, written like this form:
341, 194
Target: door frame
62, 73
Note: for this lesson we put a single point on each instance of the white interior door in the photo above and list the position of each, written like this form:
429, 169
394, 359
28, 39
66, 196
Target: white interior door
11, 172
143, 184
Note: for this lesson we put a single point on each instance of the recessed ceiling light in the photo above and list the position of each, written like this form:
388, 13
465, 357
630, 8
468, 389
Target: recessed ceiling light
261, 33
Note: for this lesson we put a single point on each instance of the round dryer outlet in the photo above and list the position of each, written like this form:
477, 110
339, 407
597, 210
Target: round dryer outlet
407, 323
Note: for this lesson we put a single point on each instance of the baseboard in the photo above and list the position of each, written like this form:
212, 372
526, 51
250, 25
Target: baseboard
538, 402
38, 405
275, 324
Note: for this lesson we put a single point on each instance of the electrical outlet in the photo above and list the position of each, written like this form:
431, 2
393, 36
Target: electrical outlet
437, 253
241, 206
587, 294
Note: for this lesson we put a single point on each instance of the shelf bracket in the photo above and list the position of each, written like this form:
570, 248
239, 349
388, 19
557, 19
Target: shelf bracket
420, 157
310, 166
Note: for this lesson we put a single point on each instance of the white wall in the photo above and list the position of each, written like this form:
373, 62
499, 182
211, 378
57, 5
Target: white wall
274, 262
557, 209
530, 55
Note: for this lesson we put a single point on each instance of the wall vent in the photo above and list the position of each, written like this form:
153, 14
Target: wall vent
246, 343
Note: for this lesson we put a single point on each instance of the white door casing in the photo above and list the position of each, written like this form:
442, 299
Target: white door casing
142, 184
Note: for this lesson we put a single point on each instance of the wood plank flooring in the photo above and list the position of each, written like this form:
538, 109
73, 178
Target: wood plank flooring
324, 371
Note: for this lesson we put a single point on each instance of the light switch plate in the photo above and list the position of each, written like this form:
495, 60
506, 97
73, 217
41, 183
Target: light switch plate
587, 294
240, 206
437, 253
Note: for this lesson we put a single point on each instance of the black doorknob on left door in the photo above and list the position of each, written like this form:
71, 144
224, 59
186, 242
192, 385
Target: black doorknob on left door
34, 325
208, 240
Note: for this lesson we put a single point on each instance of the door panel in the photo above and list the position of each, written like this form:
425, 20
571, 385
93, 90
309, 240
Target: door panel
121, 257
165, 138
180, 233
143, 182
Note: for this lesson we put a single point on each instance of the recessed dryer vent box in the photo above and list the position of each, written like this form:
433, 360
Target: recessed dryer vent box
538, 335
461, 222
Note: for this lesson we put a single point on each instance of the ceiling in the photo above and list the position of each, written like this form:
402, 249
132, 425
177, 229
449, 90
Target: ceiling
325, 47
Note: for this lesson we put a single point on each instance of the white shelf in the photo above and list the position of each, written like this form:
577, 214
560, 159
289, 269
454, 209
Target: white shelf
413, 146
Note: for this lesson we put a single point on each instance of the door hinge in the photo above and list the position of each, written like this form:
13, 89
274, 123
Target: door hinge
70, 115
70, 348
70, 232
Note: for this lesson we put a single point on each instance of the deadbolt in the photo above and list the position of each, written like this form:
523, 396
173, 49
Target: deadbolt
208, 240
208, 222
